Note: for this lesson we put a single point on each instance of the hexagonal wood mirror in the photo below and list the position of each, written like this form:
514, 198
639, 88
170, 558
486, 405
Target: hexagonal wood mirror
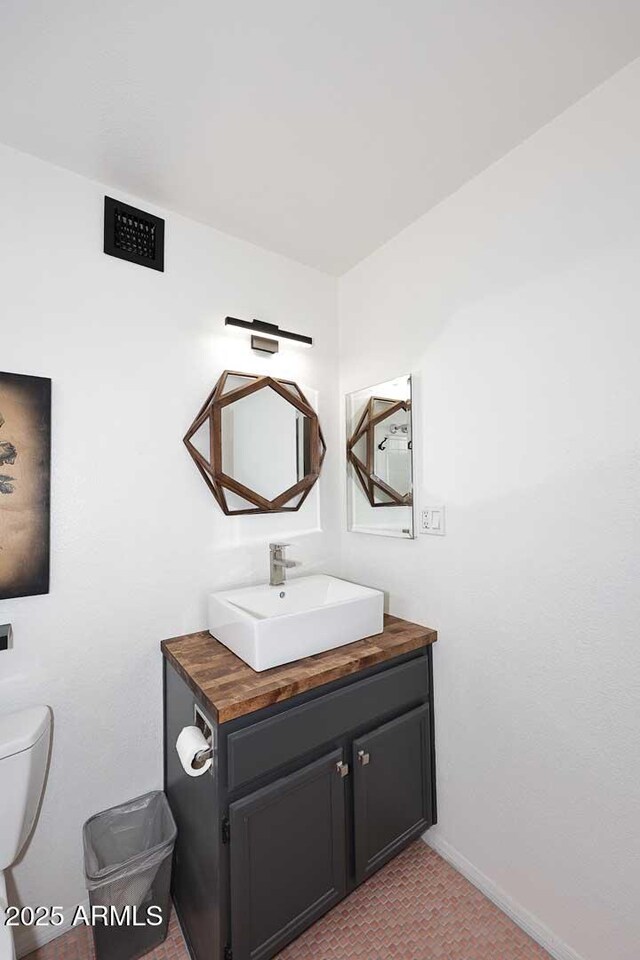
380, 459
257, 443
371, 432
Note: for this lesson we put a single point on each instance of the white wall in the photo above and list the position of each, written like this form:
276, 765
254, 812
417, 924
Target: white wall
137, 539
516, 303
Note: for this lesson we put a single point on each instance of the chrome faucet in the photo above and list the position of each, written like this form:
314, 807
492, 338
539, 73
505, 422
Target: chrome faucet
278, 564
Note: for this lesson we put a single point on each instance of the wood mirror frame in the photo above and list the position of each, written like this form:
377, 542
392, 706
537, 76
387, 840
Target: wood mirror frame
218, 482
365, 472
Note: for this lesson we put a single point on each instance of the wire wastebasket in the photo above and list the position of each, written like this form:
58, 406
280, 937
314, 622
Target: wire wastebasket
128, 852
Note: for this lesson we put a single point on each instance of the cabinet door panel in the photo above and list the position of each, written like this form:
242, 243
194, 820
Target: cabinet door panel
392, 789
288, 857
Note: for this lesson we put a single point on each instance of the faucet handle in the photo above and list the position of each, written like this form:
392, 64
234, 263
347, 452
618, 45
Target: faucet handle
278, 546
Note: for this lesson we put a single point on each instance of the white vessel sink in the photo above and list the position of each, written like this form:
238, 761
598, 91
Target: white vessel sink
267, 626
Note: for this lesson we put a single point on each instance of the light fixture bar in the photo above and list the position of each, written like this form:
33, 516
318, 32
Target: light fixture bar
270, 329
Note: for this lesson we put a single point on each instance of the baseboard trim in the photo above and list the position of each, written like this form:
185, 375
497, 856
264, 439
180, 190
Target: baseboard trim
525, 920
28, 939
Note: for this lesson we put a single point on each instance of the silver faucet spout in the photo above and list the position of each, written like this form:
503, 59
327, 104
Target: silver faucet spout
278, 564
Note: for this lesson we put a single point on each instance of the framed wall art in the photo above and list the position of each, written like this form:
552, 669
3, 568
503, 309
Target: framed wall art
25, 484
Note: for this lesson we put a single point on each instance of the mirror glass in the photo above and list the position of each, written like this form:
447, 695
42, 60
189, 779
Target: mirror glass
380, 459
257, 444
265, 443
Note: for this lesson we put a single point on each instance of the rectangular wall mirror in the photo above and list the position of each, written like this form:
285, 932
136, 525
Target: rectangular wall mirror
380, 459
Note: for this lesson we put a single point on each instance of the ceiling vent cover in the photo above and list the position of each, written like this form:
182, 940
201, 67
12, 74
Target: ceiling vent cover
133, 235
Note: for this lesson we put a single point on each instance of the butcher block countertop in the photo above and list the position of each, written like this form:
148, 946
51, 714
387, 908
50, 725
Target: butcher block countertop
232, 689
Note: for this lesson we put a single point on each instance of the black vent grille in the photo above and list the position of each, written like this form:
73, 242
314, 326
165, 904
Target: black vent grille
133, 235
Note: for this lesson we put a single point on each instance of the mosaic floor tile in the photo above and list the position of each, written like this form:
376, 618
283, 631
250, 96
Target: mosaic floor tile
416, 908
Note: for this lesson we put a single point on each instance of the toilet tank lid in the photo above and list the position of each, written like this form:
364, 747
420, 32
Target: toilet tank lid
21, 730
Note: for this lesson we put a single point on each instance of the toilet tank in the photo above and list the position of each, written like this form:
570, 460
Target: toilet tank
24, 750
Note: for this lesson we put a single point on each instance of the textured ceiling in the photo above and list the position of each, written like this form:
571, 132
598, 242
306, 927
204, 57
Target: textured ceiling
316, 129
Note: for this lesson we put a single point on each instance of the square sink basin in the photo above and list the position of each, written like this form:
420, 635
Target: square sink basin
267, 626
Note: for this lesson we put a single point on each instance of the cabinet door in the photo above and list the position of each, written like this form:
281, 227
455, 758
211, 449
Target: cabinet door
288, 857
392, 789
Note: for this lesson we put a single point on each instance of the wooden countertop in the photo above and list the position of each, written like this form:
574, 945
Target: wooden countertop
232, 689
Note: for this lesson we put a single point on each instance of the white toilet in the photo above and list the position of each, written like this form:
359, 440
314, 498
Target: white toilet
24, 750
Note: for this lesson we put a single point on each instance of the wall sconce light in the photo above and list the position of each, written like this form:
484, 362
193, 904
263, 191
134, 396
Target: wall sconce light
265, 336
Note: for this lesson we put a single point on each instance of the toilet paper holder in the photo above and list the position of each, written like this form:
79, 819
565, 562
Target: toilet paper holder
200, 721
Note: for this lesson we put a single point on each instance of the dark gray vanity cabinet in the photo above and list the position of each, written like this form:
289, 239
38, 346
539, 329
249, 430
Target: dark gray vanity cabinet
305, 799
288, 856
392, 787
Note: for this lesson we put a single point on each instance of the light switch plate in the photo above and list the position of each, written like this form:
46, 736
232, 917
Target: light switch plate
432, 520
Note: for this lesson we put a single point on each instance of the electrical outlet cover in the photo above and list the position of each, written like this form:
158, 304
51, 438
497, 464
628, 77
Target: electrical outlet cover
432, 520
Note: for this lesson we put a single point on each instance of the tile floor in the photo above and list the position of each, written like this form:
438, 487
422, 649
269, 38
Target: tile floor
415, 908
77, 944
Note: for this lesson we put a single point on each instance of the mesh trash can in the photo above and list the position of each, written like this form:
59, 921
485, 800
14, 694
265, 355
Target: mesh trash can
127, 860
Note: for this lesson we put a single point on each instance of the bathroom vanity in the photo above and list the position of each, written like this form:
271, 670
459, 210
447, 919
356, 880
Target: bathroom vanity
322, 771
